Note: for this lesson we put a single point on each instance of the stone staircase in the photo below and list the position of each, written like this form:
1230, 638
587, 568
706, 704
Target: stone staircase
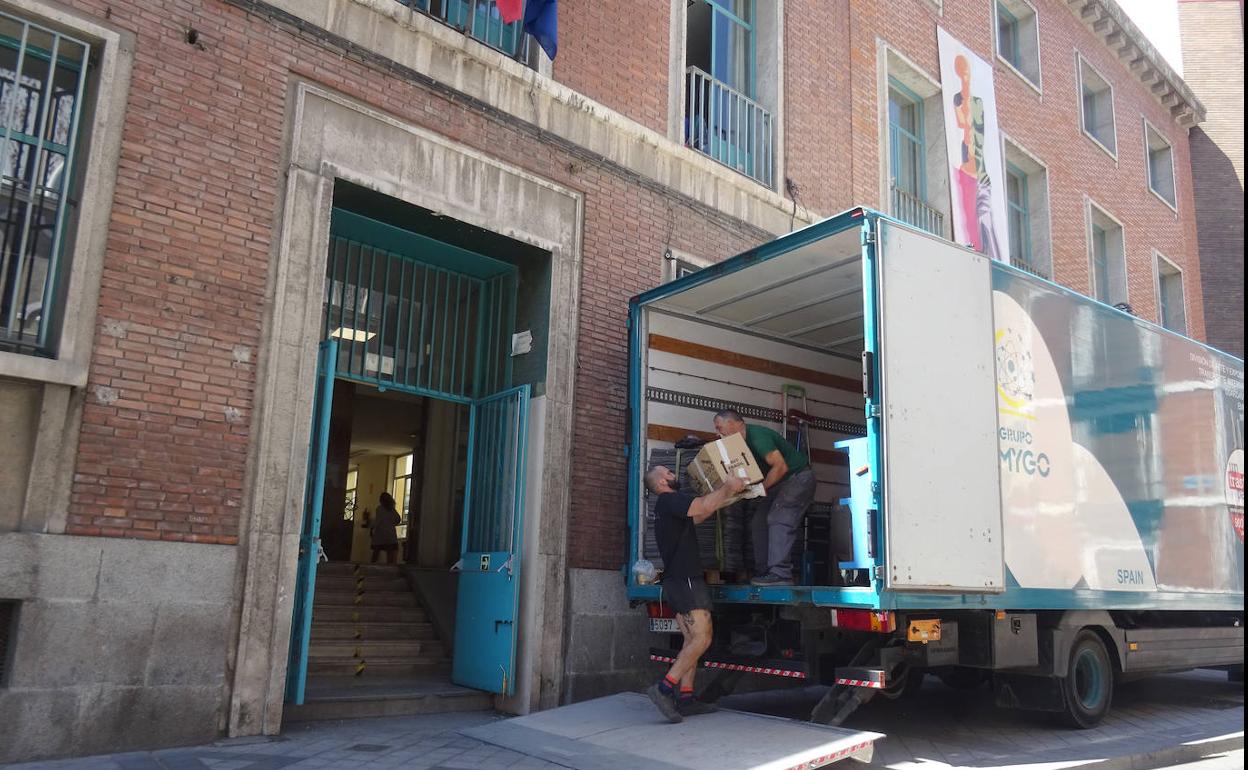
374, 652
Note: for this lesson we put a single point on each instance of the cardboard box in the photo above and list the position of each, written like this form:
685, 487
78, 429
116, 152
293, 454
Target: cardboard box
723, 458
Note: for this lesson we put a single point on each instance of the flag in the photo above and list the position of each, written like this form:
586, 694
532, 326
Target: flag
541, 21
510, 10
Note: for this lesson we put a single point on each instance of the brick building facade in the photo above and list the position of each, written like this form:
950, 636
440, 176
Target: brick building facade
1212, 35
157, 443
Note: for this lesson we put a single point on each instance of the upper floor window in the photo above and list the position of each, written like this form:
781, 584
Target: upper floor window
678, 264
43, 77
907, 159
1097, 107
1019, 215
1018, 38
1171, 309
723, 117
1160, 158
1026, 195
480, 20
1108, 258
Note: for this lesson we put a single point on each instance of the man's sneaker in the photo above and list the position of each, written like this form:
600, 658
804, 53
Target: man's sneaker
771, 579
692, 707
664, 703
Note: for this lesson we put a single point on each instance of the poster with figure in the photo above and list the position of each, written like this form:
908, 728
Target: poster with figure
973, 140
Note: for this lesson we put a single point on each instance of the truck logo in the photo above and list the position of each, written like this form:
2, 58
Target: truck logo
1016, 374
1234, 481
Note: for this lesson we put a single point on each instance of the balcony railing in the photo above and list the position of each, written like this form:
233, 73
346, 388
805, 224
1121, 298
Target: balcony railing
479, 20
911, 210
728, 126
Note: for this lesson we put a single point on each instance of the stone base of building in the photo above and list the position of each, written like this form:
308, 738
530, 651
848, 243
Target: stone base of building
117, 644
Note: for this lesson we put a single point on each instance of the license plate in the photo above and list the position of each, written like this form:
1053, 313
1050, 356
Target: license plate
664, 626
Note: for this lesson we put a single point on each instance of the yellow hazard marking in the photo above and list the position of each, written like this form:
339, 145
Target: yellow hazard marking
359, 668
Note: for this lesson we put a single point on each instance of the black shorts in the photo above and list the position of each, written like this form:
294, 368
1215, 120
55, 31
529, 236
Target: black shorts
686, 594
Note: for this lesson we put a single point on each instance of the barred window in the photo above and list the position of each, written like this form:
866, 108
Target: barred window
42, 79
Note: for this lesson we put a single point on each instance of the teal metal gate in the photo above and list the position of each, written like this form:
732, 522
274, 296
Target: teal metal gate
410, 313
489, 580
309, 537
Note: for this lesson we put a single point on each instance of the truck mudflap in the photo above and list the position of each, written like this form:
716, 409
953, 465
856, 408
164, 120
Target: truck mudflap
625, 730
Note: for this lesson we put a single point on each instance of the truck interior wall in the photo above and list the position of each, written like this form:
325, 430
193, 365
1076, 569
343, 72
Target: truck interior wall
693, 368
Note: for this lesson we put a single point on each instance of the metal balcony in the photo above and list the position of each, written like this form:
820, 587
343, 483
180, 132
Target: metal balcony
914, 211
725, 124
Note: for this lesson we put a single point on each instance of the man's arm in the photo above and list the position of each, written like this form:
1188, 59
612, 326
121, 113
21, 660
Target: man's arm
701, 508
778, 469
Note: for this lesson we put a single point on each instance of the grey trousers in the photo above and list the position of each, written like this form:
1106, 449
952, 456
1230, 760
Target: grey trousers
774, 520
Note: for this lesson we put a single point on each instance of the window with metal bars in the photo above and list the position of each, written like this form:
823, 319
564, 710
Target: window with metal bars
43, 77
416, 314
481, 21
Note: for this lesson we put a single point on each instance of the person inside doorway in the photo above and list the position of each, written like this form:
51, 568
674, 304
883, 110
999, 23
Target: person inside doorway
384, 529
774, 518
676, 513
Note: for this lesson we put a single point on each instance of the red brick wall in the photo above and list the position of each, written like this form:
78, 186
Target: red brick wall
1213, 65
1046, 125
184, 276
167, 421
617, 54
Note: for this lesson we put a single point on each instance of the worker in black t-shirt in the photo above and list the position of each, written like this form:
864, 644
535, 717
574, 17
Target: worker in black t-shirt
675, 514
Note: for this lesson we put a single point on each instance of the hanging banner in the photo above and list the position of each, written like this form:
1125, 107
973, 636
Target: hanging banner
973, 141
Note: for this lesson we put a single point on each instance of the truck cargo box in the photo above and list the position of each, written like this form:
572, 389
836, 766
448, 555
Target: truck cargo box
982, 438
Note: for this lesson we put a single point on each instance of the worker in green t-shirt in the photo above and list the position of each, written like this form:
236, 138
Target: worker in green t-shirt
790, 485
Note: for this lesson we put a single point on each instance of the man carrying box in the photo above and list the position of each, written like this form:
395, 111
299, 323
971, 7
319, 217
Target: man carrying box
675, 514
790, 486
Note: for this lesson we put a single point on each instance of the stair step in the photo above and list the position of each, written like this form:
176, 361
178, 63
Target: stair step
365, 613
339, 568
370, 630
370, 583
457, 699
368, 599
397, 649
379, 667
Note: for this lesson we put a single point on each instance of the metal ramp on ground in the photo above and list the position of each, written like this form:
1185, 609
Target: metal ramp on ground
625, 730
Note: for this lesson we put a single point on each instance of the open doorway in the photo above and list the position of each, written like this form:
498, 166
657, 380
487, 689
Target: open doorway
433, 343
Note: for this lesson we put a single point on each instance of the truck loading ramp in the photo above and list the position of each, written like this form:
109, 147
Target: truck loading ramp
625, 730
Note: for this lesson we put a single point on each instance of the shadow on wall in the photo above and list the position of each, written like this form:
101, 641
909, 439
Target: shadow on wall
1219, 196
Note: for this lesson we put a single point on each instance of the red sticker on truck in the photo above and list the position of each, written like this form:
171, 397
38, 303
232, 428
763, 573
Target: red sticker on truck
1234, 482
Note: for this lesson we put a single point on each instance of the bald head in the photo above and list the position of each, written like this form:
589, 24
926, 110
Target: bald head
659, 480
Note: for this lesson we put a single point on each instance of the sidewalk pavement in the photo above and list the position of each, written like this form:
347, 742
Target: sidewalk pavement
1155, 723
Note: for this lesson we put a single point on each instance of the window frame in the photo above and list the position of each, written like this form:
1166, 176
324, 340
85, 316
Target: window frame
915, 101
998, 7
1024, 212
64, 202
674, 259
1148, 166
1158, 260
1092, 209
1080, 62
99, 154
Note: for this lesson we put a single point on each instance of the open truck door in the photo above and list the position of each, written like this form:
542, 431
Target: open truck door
937, 424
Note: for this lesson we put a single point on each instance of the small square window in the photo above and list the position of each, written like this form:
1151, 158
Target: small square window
1171, 310
1018, 38
678, 265
1097, 107
1160, 164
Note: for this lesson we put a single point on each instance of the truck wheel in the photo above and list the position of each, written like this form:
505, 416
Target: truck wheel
1088, 686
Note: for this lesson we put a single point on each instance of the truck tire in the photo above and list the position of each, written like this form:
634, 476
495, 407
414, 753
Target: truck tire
1088, 686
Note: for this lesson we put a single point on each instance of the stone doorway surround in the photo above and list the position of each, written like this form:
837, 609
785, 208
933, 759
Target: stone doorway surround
334, 137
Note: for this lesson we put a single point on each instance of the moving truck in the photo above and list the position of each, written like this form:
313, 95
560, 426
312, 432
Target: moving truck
1018, 485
